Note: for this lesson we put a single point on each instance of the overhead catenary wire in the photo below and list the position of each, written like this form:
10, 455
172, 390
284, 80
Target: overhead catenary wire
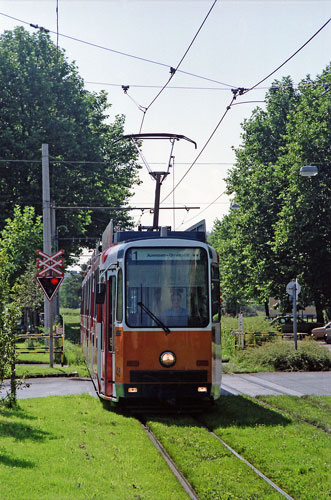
289, 58
204, 209
243, 91
174, 70
108, 49
204, 146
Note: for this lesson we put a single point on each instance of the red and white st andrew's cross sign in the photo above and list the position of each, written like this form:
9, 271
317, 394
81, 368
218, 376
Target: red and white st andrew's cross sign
50, 277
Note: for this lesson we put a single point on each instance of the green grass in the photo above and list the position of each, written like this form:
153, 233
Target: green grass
29, 371
313, 409
213, 471
70, 448
31, 357
293, 454
251, 324
63, 448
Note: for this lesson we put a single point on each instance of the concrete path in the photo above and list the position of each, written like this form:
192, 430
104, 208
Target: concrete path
53, 386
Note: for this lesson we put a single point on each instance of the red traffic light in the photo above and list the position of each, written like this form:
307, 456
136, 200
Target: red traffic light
49, 285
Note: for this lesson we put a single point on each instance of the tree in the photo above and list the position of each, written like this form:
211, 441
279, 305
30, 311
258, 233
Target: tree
70, 291
303, 230
27, 293
9, 315
245, 234
274, 219
19, 240
43, 100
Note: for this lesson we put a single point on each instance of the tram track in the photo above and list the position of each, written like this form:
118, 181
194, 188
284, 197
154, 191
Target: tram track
179, 475
188, 488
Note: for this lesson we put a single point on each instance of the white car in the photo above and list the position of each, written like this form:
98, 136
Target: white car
322, 332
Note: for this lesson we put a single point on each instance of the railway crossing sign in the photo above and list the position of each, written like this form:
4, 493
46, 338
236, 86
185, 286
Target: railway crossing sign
50, 277
49, 285
50, 263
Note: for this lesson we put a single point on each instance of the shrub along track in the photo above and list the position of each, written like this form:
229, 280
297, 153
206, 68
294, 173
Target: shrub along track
179, 475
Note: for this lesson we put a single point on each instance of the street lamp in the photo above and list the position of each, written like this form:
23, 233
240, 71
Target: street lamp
308, 171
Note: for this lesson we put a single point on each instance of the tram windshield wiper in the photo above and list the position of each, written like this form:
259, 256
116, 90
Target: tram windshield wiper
154, 318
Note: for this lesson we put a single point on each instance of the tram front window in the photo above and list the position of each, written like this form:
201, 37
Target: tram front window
172, 283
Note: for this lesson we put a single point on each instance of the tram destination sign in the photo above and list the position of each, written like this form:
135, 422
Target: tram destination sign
166, 254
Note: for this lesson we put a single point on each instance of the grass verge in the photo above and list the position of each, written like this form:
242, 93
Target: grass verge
70, 448
294, 454
213, 471
30, 371
315, 410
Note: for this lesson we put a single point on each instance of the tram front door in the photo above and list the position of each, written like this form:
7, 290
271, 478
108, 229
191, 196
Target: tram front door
109, 344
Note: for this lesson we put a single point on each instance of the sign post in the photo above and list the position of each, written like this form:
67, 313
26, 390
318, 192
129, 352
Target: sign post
241, 331
293, 289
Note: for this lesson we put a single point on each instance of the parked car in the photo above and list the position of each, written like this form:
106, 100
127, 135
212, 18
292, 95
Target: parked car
284, 324
322, 332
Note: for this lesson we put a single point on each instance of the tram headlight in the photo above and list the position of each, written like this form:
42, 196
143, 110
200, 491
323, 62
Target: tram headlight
167, 359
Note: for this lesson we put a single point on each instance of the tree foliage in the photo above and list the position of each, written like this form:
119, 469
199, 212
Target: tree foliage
70, 291
9, 316
43, 100
21, 236
283, 227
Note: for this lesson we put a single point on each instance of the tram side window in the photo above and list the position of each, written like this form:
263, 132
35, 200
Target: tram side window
111, 312
119, 306
215, 292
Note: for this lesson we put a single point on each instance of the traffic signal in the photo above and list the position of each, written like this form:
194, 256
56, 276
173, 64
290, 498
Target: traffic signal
221, 298
49, 285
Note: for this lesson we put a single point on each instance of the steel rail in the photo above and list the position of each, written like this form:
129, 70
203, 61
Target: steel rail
180, 477
257, 471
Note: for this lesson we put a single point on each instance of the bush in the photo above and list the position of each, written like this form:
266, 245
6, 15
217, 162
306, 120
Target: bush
73, 354
228, 343
281, 355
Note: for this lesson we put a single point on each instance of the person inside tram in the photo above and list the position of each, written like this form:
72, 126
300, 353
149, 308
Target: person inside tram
176, 315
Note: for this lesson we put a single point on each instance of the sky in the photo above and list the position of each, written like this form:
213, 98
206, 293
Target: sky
240, 43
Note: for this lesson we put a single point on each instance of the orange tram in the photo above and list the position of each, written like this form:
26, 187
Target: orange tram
150, 326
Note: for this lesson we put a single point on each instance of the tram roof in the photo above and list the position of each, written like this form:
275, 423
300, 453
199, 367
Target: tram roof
123, 236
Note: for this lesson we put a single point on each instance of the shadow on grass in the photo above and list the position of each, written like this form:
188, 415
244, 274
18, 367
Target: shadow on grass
15, 412
22, 432
16, 462
229, 411
240, 411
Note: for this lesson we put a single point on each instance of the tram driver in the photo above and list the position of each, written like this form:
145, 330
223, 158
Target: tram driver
176, 315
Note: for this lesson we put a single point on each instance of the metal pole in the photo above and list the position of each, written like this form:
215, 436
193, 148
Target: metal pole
157, 176
47, 246
295, 329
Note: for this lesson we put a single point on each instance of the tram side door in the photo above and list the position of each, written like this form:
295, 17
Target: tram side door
109, 340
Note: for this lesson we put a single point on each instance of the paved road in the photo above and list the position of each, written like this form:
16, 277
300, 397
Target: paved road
53, 386
292, 384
